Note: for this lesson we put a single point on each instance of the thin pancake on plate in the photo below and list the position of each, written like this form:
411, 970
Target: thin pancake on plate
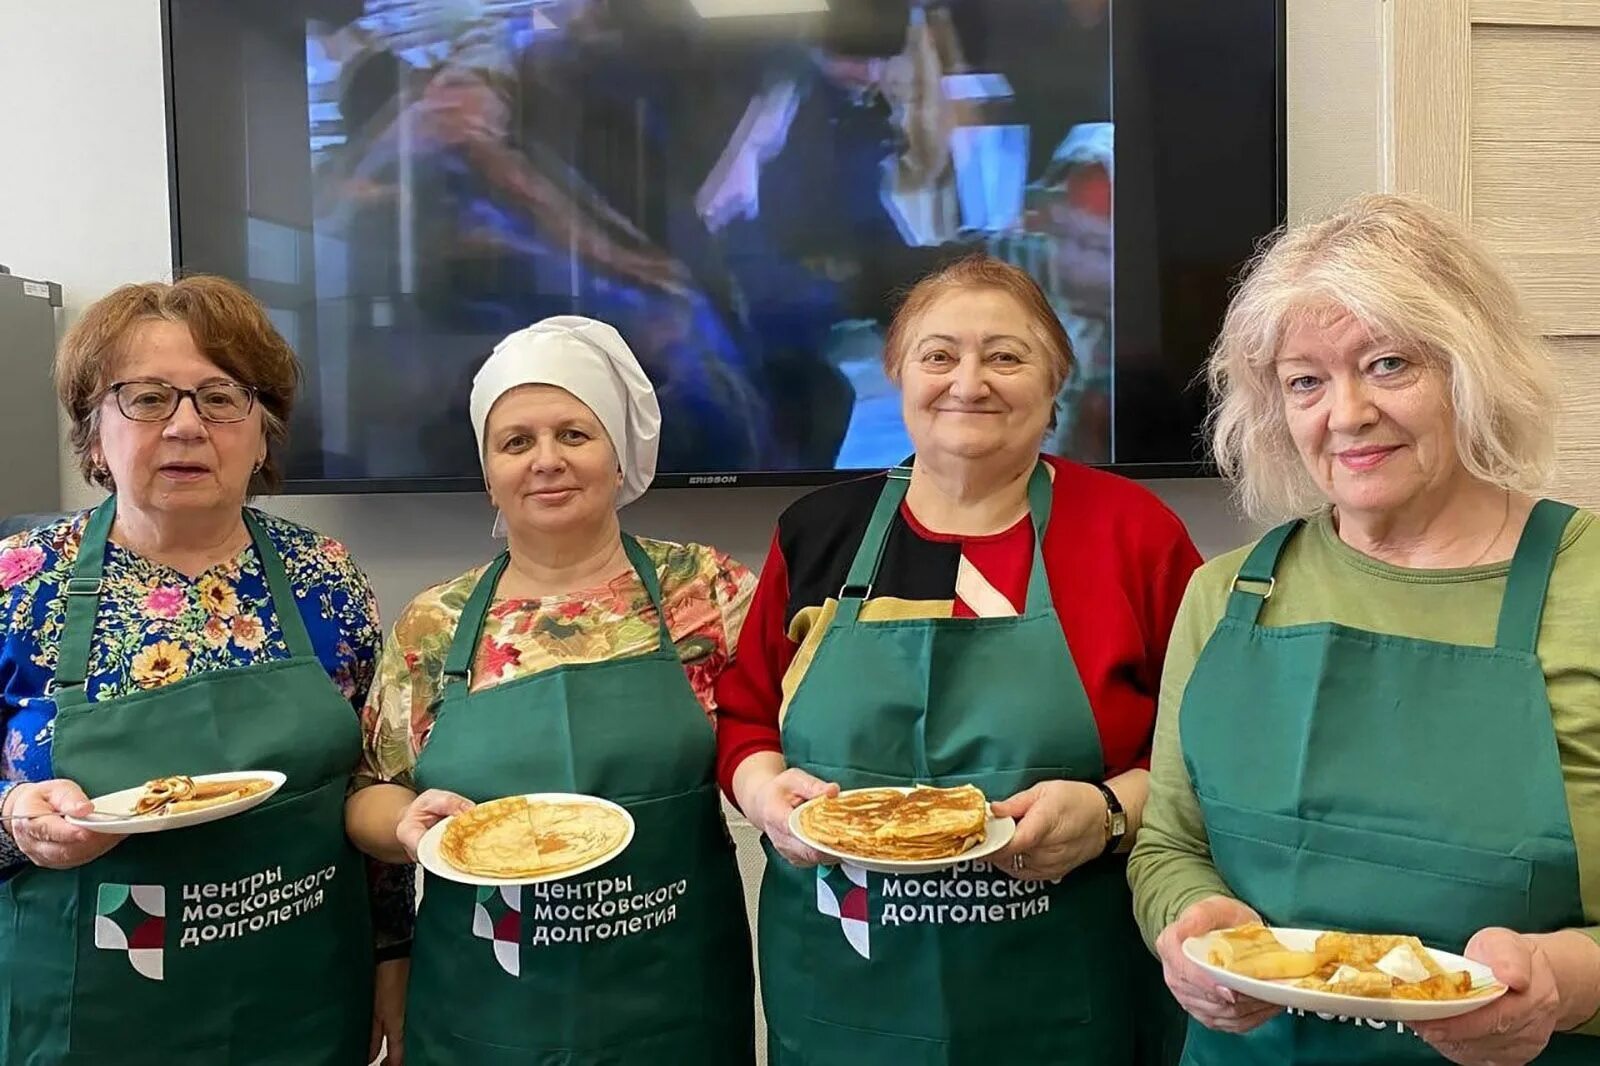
515, 837
178, 794
886, 823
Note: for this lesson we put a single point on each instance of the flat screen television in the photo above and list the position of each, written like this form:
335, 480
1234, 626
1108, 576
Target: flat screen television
744, 188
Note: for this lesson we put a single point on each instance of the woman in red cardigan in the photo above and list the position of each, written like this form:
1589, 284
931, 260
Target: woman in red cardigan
985, 614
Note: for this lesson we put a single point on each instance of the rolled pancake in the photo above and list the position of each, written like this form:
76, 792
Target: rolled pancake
162, 791
515, 837
1347, 964
179, 794
885, 823
1253, 951
216, 793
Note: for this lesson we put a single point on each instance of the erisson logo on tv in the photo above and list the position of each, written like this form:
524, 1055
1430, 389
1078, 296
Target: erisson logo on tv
713, 479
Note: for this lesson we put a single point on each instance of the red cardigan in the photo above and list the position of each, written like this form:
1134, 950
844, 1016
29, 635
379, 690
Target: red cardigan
1117, 558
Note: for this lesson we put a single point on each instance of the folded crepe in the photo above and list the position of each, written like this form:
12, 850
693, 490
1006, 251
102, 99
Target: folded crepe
1364, 951
177, 794
1371, 966
516, 837
1253, 951
162, 791
886, 823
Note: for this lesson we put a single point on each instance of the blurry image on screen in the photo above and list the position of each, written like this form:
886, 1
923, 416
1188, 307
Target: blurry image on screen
743, 198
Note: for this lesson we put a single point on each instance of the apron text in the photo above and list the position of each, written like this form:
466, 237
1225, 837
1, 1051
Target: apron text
248, 905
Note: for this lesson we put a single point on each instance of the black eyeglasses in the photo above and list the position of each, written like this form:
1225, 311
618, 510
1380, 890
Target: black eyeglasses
157, 401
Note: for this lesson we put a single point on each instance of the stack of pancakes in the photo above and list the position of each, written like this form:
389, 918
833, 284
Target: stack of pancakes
886, 823
520, 838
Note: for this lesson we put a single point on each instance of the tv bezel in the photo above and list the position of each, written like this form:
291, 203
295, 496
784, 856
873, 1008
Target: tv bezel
1197, 468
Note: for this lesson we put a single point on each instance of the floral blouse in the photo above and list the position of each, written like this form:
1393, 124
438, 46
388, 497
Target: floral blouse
705, 595
156, 626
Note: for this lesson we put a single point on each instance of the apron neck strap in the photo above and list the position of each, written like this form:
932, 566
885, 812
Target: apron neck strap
1040, 496
1255, 582
83, 600
469, 628
295, 635
869, 555
1520, 611
83, 603
645, 567
1523, 606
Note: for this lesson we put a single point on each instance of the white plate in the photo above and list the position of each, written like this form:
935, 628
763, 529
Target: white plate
997, 833
1284, 994
121, 803
435, 863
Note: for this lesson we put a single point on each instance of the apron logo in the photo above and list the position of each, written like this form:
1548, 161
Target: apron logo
1359, 1023
842, 894
497, 917
133, 919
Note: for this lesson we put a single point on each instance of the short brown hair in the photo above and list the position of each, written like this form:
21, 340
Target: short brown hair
981, 272
229, 326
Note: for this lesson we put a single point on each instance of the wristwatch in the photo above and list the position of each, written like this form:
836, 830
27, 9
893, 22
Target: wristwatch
1116, 820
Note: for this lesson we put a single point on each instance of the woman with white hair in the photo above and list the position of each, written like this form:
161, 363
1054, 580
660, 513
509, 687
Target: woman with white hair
580, 660
1409, 660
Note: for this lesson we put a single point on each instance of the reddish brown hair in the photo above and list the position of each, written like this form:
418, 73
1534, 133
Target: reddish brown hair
229, 326
981, 272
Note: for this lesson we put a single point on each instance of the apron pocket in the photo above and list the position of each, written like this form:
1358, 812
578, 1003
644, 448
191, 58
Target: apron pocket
641, 960
1366, 880
37, 960
681, 953
263, 935
956, 961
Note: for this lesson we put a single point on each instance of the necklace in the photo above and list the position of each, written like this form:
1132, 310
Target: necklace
1505, 520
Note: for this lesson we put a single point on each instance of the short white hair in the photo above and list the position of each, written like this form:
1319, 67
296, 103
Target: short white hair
1412, 275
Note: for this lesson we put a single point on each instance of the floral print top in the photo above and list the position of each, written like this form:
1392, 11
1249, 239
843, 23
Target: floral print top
705, 595
156, 626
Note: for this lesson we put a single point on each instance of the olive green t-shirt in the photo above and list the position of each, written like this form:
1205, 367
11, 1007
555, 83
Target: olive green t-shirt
1320, 578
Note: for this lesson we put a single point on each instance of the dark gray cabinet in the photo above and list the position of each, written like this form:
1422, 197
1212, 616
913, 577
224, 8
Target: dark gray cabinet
30, 469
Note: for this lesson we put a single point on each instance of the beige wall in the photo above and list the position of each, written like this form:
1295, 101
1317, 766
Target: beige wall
1497, 117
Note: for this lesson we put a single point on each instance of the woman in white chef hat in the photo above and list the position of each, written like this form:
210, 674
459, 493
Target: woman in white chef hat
581, 659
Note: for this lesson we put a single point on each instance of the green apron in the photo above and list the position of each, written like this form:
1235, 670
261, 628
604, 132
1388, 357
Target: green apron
644, 961
1389, 784
969, 965
241, 942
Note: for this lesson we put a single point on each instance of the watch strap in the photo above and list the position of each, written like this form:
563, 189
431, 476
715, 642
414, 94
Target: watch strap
1116, 819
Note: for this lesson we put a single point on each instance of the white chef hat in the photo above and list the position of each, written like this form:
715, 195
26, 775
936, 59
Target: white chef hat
590, 360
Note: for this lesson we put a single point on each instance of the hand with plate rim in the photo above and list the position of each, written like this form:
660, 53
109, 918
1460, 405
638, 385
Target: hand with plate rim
43, 835
1515, 1028
773, 801
1206, 1001
425, 812
1060, 826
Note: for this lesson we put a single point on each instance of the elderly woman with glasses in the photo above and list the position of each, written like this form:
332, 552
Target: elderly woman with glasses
172, 630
